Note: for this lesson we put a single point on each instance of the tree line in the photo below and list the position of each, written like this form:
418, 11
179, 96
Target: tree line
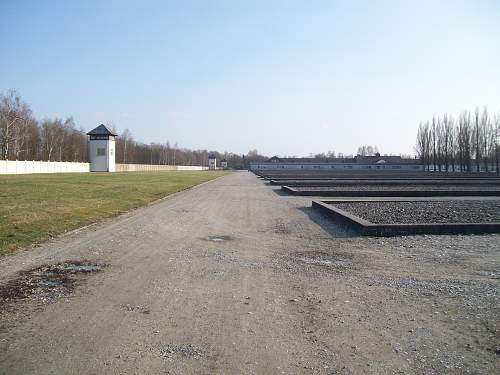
470, 142
23, 137
129, 151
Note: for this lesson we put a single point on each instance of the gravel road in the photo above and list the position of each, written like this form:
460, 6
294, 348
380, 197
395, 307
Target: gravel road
471, 211
233, 278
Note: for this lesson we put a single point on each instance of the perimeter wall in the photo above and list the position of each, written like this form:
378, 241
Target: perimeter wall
28, 167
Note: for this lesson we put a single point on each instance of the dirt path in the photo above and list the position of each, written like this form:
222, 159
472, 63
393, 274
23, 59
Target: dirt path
233, 278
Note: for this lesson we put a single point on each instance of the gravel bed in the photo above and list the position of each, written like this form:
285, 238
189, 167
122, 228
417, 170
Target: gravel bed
404, 212
397, 187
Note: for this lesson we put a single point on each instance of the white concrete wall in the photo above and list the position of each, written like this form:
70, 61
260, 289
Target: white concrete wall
28, 166
154, 168
335, 167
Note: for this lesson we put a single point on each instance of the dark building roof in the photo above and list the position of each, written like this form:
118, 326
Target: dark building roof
101, 130
212, 156
389, 159
274, 159
223, 161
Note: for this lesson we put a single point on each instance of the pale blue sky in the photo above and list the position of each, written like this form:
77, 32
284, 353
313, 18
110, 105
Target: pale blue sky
284, 77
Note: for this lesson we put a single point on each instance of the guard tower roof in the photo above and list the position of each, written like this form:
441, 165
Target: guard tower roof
101, 130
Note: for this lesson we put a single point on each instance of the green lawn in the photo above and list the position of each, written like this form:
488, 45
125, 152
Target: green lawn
35, 207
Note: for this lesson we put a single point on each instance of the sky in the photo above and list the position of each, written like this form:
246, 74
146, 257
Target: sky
282, 77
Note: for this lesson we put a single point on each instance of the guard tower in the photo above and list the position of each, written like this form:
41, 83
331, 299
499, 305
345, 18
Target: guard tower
212, 162
102, 149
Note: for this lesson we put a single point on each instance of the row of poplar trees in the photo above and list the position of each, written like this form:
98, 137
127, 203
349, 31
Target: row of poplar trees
467, 143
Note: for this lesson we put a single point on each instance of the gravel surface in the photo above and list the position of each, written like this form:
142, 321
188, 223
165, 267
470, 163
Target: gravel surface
397, 187
232, 278
470, 211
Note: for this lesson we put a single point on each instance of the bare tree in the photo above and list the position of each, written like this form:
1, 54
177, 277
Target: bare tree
123, 146
477, 146
452, 143
52, 135
423, 144
13, 112
439, 144
465, 141
486, 135
497, 142
447, 140
22, 132
434, 143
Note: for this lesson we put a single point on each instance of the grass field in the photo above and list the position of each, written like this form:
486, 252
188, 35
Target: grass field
36, 207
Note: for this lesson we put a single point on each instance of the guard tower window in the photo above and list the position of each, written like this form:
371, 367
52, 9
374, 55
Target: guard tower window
101, 151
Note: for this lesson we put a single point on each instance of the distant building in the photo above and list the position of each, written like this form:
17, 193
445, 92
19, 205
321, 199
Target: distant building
223, 164
377, 159
212, 162
359, 163
101, 148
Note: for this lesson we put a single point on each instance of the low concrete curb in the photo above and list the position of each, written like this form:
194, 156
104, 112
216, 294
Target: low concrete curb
333, 183
367, 228
391, 193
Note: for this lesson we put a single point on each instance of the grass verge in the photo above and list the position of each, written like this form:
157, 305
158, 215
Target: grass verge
34, 208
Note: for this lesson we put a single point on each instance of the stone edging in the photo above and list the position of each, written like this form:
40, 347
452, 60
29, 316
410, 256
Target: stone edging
366, 228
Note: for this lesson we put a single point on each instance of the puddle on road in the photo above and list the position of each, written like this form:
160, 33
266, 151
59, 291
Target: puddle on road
84, 268
47, 282
218, 238
142, 309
